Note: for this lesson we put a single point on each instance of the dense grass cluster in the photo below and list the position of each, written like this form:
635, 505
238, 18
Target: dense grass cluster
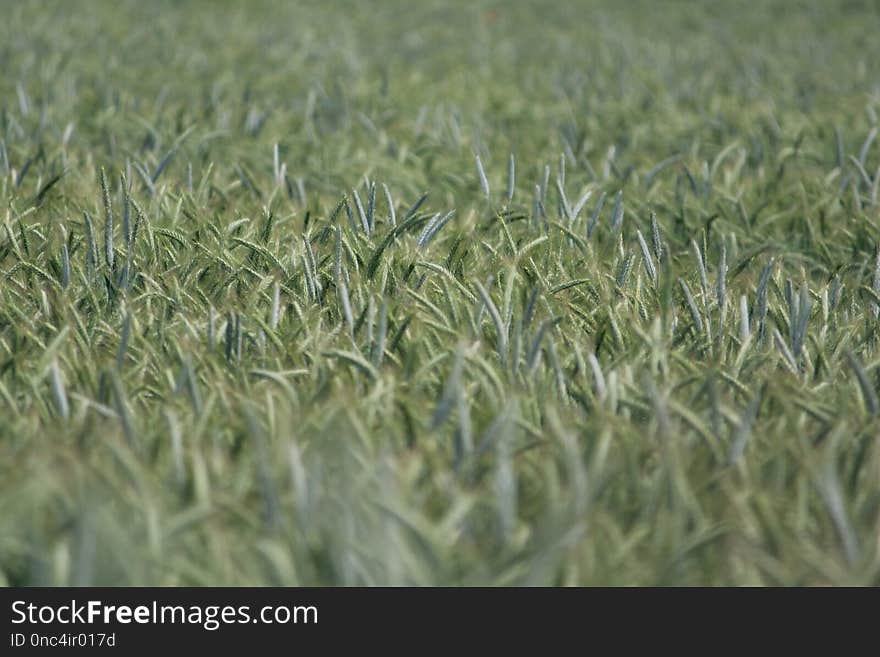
487, 293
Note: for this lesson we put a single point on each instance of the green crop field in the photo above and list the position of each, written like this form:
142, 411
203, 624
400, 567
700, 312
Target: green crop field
439, 293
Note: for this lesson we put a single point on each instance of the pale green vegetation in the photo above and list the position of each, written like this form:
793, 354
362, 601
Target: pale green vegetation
432, 293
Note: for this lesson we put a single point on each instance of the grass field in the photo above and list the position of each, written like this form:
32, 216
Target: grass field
451, 294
